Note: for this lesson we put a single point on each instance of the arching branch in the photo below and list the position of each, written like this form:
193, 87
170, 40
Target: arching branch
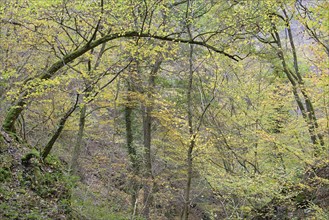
18, 107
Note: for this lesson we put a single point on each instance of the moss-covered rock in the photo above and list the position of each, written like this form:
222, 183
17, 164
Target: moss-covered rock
33, 190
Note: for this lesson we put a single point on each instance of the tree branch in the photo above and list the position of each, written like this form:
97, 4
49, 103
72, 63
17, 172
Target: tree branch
17, 108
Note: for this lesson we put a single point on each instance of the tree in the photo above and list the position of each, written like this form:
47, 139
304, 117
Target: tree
186, 109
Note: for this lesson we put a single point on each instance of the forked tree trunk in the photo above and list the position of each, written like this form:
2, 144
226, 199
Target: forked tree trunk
301, 97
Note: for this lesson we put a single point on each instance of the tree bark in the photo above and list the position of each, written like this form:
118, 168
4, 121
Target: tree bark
59, 130
147, 131
82, 119
298, 88
308, 103
78, 144
186, 208
132, 153
191, 143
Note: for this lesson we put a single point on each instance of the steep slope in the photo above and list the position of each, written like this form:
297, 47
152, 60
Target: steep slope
30, 188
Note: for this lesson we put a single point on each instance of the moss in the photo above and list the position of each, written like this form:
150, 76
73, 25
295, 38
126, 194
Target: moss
27, 157
3, 146
4, 174
8, 211
40, 190
13, 113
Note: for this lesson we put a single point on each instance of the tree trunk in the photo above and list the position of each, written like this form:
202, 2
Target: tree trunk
131, 148
186, 208
148, 176
308, 102
147, 131
78, 144
191, 143
59, 130
82, 119
303, 101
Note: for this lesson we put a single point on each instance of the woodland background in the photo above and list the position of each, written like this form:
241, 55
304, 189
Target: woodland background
164, 109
